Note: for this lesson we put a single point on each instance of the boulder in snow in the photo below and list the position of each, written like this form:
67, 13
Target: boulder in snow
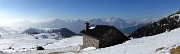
40, 48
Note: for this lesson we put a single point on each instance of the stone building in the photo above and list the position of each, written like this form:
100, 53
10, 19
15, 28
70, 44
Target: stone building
102, 36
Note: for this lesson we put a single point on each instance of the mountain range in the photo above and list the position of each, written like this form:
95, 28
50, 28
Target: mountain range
78, 25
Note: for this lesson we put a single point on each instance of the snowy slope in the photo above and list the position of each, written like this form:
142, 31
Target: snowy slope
73, 41
6, 32
145, 45
65, 45
13, 40
29, 43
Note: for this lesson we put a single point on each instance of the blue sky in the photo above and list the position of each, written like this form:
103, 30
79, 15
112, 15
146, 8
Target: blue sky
86, 9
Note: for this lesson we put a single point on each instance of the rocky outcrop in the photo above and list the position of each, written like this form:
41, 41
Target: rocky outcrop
40, 48
66, 32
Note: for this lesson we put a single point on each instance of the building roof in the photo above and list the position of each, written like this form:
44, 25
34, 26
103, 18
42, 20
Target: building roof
99, 30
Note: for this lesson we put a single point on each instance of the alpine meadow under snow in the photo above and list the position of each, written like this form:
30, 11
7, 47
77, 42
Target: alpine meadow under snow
14, 40
25, 44
145, 45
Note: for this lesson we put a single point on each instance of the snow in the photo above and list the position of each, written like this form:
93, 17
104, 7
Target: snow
68, 49
19, 44
14, 40
177, 11
73, 41
29, 44
89, 48
178, 15
25, 44
91, 27
145, 45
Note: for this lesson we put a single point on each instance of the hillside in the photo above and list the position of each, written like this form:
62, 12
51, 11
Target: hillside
168, 23
157, 44
129, 30
50, 32
22, 39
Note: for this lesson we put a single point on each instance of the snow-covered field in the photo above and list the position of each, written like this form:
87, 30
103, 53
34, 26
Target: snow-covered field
145, 45
25, 44
14, 40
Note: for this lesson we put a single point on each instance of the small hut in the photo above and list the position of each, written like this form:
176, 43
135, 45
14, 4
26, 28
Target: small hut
102, 36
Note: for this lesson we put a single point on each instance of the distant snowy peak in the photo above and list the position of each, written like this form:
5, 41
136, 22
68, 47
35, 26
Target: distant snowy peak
108, 20
66, 21
178, 11
112, 19
78, 25
144, 20
79, 20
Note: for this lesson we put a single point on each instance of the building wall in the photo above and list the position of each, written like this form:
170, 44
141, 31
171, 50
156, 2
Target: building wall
89, 41
111, 38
